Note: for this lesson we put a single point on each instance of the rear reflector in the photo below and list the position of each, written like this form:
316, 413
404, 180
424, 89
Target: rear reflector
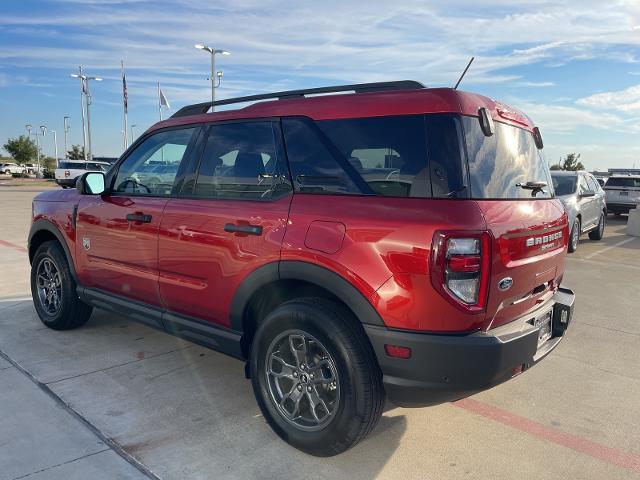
397, 351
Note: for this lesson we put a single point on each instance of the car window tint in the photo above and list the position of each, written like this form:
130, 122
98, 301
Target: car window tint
315, 169
593, 184
499, 163
239, 161
139, 175
623, 182
564, 184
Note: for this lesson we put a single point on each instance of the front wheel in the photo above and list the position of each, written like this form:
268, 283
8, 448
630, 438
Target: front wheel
315, 376
598, 233
54, 290
574, 239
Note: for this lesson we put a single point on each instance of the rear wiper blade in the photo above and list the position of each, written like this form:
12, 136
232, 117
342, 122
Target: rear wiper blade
534, 186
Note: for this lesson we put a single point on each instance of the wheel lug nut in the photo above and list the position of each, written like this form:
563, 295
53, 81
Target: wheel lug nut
311, 376
308, 389
299, 387
295, 374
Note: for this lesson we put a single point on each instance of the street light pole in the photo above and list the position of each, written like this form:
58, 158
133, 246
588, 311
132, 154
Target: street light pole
55, 143
213, 53
133, 132
86, 98
66, 131
43, 129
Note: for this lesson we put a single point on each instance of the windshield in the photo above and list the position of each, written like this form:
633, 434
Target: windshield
500, 163
564, 184
623, 182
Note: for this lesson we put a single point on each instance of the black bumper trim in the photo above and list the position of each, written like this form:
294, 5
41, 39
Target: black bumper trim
444, 368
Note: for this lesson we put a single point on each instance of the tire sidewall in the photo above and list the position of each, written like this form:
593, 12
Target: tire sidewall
576, 228
53, 252
341, 429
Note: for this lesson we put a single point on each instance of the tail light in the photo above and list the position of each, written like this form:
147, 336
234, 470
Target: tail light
460, 268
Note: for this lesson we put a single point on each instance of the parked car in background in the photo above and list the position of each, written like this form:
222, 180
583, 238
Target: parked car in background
584, 201
601, 180
31, 168
623, 193
381, 241
69, 170
11, 168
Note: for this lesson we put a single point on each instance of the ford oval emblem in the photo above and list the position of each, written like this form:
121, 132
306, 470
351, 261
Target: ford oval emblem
505, 283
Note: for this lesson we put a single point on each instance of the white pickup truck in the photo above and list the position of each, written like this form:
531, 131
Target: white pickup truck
69, 170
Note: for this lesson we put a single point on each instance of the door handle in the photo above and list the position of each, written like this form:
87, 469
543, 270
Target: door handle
243, 229
138, 217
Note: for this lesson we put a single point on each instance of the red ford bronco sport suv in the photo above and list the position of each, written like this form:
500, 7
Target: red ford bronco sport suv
394, 241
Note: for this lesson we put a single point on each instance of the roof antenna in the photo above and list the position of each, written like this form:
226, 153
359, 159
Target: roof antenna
464, 73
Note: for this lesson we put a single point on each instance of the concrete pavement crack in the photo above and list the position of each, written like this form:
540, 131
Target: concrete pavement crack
108, 441
60, 464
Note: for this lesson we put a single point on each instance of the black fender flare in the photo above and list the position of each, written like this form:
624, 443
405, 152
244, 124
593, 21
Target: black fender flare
307, 272
43, 224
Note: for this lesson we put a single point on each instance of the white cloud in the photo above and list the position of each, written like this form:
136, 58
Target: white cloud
536, 84
627, 100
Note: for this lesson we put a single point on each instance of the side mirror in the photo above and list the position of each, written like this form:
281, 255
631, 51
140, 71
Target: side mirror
91, 183
588, 193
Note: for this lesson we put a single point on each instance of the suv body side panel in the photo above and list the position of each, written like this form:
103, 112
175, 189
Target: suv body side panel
202, 265
385, 252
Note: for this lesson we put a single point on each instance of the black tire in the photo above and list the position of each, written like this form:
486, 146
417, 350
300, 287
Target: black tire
598, 233
574, 237
70, 312
360, 394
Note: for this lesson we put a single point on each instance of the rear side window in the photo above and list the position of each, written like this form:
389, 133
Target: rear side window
71, 165
239, 162
314, 166
401, 156
593, 183
623, 182
497, 164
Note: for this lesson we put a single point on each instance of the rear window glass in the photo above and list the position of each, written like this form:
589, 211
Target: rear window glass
71, 165
623, 182
402, 156
564, 185
498, 164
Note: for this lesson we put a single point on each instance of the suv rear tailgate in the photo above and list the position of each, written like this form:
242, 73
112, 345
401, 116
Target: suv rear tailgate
529, 242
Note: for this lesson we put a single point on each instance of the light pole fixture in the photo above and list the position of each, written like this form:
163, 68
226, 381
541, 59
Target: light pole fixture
213, 76
55, 144
85, 99
29, 127
66, 131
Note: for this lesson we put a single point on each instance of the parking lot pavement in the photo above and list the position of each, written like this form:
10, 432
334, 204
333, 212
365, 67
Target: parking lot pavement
185, 411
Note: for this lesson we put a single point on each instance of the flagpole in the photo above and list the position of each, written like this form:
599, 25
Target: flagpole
159, 102
125, 102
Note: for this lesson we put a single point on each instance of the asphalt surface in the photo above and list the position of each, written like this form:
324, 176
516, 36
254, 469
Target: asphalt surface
116, 399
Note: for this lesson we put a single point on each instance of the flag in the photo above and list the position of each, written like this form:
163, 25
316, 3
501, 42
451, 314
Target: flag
125, 94
163, 100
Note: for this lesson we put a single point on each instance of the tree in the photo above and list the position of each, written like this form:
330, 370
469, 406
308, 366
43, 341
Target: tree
76, 153
555, 167
571, 162
21, 149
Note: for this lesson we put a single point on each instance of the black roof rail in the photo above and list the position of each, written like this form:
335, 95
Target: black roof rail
200, 108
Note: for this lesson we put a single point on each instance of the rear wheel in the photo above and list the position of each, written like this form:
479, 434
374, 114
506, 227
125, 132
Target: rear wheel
575, 236
315, 376
599, 231
54, 290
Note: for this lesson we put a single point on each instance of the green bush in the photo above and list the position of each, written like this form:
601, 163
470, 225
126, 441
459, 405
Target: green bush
19, 175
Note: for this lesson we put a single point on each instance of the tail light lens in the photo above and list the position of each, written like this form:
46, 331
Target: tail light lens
460, 268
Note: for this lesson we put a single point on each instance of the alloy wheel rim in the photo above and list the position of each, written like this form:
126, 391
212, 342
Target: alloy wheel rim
302, 379
601, 224
49, 286
576, 235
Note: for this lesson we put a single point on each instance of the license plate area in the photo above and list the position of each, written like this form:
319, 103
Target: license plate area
543, 323
624, 194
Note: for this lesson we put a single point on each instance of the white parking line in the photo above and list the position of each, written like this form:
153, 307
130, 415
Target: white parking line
610, 247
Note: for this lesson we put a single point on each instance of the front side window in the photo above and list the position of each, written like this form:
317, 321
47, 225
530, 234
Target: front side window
499, 164
240, 162
152, 167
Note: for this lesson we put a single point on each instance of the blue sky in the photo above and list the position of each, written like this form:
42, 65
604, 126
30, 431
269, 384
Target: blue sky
573, 66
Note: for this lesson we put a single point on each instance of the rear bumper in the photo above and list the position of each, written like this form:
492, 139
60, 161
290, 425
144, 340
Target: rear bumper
620, 207
444, 368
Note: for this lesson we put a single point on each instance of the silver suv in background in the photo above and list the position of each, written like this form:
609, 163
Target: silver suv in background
9, 168
623, 193
584, 201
